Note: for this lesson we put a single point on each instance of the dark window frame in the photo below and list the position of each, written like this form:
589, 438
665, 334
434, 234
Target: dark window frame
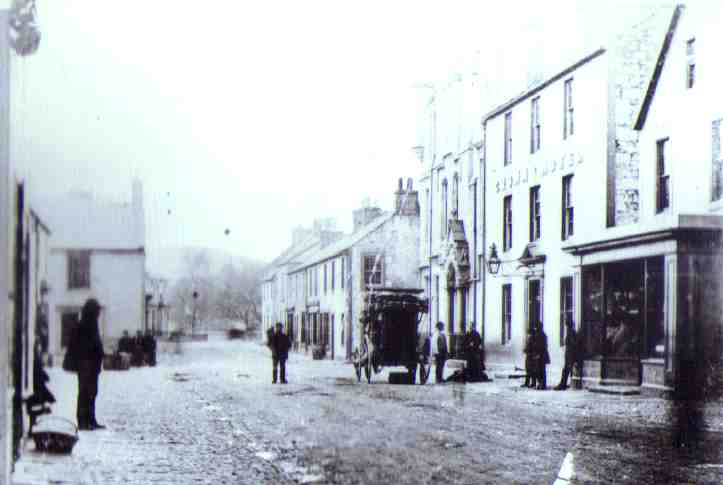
506, 313
568, 209
507, 223
368, 266
535, 125
690, 64
79, 263
662, 177
567, 305
535, 214
508, 138
569, 111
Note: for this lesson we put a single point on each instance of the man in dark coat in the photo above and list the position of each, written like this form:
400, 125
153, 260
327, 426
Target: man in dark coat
570, 356
530, 360
125, 343
472, 345
439, 350
137, 349
542, 356
280, 344
149, 348
88, 349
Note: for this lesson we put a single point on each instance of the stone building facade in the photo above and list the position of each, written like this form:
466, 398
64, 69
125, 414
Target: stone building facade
602, 220
325, 289
451, 185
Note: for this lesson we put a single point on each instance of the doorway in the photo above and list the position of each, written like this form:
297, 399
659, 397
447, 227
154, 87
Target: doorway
534, 303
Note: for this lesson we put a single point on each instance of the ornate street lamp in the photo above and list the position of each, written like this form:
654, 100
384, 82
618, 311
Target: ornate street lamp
493, 262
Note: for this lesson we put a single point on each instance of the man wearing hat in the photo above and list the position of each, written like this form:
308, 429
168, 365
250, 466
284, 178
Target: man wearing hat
439, 351
279, 343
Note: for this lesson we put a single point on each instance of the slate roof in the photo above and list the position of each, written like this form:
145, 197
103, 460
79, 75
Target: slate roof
80, 221
344, 243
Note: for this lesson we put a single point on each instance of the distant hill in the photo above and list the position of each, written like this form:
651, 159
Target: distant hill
168, 261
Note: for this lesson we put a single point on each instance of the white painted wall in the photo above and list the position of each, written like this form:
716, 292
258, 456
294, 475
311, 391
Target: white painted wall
584, 156
117, 281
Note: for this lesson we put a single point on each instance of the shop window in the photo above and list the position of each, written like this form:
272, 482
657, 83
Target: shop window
592, 311
566, 307
623, 309
507, 223
654, 317
506, 313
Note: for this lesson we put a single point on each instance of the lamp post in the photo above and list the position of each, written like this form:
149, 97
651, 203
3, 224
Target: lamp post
193, 319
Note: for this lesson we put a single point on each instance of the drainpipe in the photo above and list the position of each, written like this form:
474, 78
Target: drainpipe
483, 198
431, 204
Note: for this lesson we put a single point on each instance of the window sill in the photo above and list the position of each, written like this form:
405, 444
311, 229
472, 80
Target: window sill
653, 360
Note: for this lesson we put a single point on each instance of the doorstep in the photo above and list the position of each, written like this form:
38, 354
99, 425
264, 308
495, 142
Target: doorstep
615, 390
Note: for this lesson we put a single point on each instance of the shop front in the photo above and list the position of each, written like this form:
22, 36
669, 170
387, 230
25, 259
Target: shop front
650, 308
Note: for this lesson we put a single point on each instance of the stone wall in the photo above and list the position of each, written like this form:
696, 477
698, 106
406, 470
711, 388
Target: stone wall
633, 59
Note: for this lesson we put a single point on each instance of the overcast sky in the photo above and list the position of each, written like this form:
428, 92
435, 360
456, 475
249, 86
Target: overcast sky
260, 116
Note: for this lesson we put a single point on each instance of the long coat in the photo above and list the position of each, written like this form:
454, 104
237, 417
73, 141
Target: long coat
279, 344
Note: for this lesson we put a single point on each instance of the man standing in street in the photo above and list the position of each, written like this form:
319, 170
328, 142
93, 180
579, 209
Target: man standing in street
472, 344
279, 343
570, 356
439, 351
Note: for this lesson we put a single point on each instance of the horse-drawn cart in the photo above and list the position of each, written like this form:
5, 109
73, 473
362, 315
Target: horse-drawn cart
390, 336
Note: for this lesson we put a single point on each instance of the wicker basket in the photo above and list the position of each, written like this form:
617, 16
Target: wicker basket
53, 434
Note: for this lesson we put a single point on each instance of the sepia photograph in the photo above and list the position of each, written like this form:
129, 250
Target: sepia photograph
347, 243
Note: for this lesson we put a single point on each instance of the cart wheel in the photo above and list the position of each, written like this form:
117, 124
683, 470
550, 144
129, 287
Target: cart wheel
425, 369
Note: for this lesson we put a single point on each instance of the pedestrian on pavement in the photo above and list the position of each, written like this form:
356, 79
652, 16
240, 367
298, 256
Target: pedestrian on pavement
88, 348
570, 356
472, 345
125, 343
137, 354
439, 351
530, 360
149, 348
280, 345
542, 356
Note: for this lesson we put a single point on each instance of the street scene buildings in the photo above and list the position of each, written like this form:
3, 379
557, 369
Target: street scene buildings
590, 201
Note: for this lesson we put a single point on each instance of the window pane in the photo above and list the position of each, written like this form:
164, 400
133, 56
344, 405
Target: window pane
592, 301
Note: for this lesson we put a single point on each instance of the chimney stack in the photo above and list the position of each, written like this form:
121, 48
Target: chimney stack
406, 201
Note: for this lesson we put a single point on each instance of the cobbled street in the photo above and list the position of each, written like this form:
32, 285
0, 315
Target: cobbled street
211, 415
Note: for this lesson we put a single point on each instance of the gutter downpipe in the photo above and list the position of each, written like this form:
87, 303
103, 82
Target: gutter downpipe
431, 204
483, 199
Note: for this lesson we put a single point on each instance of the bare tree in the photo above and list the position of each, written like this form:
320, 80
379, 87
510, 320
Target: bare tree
231, 293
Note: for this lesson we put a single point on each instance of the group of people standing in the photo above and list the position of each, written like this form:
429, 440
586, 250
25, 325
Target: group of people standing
537, 357
142, 348
474, 370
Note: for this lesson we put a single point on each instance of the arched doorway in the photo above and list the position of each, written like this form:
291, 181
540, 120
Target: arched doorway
451, 293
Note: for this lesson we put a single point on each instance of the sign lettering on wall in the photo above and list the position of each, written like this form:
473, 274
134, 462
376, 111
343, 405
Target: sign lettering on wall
532, 174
